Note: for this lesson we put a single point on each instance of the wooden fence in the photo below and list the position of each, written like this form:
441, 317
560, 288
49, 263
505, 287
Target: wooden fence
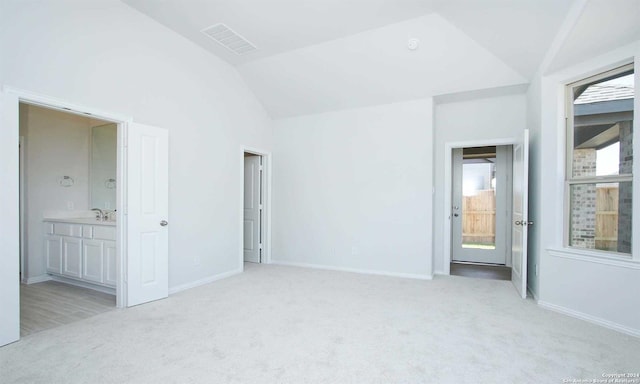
607, 218
479, 218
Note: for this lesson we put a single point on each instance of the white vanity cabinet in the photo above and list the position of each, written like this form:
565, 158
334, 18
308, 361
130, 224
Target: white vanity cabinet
71, 257
92, 259
53, 253
80, 251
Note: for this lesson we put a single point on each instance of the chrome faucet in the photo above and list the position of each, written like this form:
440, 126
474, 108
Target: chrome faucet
99, 214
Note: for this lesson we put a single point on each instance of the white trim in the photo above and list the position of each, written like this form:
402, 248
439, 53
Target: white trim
590, 256
354, 270
23, 198
63, 105
591, 319
446, 218
121, 223
32, 98
37, 279
570, 180
206, 280
266, 207
82, 284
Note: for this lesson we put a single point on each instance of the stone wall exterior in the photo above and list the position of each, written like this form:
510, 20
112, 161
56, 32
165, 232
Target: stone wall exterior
625, 191
583, 200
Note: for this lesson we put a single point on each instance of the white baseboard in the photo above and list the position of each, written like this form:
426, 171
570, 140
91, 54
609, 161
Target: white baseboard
591, 319
82, 284
37, 279
354, 270
206, 280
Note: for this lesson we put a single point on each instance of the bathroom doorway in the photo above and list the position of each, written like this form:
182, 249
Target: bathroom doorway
68, 184
142, 194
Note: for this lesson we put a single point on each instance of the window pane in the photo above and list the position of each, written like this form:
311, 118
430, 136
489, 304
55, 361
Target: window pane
601, 216
479, 203
603, 127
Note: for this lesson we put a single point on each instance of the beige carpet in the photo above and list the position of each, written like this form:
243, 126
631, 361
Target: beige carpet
276, 324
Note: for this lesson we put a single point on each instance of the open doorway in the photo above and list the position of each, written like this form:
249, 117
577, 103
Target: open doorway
255, 207
253, 214
68, 177
141, 234
481, 212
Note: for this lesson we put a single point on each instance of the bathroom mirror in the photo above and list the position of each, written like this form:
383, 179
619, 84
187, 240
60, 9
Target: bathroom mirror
102, 171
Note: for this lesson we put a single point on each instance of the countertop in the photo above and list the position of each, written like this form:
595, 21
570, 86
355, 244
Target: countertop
83, 220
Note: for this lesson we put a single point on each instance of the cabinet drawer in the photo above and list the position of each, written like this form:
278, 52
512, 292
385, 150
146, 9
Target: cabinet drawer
87, 231
64, 229
104, 232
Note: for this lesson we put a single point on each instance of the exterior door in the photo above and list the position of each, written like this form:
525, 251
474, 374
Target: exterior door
520, 214
252, 209
147, 214
481, 197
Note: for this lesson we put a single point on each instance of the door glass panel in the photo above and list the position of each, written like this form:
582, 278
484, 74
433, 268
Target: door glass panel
479, 201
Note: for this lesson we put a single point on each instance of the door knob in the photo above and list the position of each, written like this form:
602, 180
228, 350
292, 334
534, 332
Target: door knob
518, 222
455, 214
164, 223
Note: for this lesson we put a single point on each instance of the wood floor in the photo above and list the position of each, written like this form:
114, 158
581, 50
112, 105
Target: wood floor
494, 272
51, 304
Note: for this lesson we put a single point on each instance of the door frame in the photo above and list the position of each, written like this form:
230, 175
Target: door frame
23, 225
21, 96
504, 169
448, 188
266, 206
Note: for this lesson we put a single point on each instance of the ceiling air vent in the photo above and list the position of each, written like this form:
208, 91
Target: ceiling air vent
229, 39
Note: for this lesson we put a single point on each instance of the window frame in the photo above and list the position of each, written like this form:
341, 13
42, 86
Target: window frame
570, 180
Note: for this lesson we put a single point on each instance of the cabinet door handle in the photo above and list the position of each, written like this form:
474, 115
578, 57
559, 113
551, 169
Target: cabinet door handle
164, 223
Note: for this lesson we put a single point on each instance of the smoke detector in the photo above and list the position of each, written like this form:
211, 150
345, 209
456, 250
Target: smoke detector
413, 43
229, 39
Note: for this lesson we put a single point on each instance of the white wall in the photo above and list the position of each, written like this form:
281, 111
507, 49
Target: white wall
481, 119
56, 145
352, 189
535, 191
581, 283
107, 56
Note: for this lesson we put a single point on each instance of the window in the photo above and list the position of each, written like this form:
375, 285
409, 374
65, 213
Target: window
600, 161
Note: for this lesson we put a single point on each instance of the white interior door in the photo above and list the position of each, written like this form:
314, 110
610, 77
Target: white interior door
9, 221
252, 209
147, 214
520, 214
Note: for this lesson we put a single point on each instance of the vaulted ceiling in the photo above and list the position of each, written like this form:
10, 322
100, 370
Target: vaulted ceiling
603, 26
278, 26
320, 55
